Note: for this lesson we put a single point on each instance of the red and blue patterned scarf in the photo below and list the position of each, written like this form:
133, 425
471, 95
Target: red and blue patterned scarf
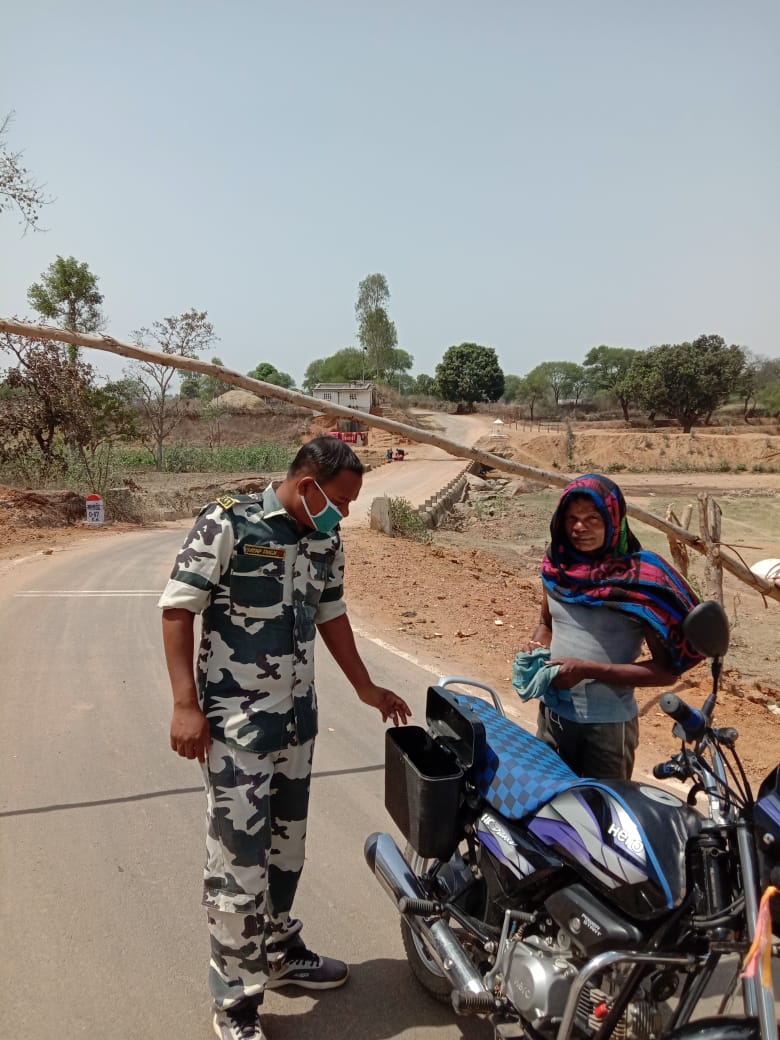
622, 576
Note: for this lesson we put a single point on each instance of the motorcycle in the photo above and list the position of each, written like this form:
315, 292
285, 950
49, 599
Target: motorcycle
562, 907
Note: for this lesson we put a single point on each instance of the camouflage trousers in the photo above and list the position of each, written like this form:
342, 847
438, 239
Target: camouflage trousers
257, 806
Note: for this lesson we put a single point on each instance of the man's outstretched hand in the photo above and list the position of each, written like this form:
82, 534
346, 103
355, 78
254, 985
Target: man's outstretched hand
387, 703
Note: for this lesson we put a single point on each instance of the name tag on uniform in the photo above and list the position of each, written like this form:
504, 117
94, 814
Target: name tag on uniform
263, 550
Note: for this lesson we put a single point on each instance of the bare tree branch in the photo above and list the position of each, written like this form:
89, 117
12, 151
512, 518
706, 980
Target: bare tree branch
18, 188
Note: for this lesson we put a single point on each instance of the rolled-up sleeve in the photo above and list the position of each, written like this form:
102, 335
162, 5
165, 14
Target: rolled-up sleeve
201, 561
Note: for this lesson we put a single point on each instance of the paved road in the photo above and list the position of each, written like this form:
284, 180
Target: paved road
426, 470
101, 825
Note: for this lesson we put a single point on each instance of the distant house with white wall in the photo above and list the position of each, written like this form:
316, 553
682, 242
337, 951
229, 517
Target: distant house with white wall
358, 394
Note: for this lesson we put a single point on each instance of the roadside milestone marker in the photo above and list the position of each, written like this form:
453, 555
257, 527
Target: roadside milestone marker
95, 511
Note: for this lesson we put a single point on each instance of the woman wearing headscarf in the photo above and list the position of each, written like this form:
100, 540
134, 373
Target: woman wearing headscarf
603, 596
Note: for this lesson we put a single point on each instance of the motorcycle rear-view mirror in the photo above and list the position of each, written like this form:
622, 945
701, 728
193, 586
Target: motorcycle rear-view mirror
707, 628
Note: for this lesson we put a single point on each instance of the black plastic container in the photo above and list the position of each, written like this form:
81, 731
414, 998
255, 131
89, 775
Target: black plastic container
423, 787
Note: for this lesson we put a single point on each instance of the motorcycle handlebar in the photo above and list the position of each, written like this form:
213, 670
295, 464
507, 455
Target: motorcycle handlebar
668, 770
693, 723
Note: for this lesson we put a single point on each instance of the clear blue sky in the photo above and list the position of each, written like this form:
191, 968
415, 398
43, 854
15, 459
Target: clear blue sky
538, 176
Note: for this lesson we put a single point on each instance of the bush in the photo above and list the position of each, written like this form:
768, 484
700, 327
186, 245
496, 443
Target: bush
30, 468
407, 522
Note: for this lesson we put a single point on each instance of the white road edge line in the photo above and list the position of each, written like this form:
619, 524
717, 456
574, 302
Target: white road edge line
394, 650
39, 593
68, 593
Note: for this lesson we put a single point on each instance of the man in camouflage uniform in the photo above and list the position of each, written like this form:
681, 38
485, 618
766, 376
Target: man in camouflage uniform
265, 572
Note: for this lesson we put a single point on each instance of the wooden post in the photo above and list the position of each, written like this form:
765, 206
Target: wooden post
709, 524
677, 548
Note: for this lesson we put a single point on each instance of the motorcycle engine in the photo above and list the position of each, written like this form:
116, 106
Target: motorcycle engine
643, 1019
535, 973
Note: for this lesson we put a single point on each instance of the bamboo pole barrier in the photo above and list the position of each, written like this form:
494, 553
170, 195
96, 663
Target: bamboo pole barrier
262, 389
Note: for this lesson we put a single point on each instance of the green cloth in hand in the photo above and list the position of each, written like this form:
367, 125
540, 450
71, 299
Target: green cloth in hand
532, 677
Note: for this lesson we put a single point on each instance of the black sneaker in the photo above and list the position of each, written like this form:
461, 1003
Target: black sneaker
300, 967
239, 1022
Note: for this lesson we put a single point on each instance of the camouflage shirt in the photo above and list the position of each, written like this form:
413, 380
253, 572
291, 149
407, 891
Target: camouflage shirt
261, 586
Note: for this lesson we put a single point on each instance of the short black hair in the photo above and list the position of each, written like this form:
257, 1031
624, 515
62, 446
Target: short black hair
324, 458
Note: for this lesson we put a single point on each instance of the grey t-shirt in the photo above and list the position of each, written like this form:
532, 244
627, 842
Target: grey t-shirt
595, 634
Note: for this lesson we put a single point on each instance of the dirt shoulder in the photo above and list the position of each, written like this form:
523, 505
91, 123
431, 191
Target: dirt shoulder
467, 612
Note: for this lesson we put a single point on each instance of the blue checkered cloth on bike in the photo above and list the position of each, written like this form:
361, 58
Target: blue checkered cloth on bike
519, 772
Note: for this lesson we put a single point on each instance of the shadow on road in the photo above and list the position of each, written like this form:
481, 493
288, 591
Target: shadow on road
380, 1001
63, 806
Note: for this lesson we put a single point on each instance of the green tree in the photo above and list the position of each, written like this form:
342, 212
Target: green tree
769, 397
561, 378
313, 374
268, 373
67, 294
686, 381
378, 337
533, 389
643, 384
376, 332
578, 383
404, 384
758, 374
345, 366
373, 292
212, 386
18, 188
183, 335
512, 386
608, 369
212, 415
113, 416
469, 373
190, 387
398, 363
426, 385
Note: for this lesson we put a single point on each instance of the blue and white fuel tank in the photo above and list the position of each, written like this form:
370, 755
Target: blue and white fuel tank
626, 839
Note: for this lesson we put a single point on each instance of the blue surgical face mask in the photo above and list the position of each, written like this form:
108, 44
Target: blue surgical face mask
328, 517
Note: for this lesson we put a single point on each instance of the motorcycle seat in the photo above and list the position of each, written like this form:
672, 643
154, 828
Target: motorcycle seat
519, 772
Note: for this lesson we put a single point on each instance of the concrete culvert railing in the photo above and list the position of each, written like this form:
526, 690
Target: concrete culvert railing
441, 503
